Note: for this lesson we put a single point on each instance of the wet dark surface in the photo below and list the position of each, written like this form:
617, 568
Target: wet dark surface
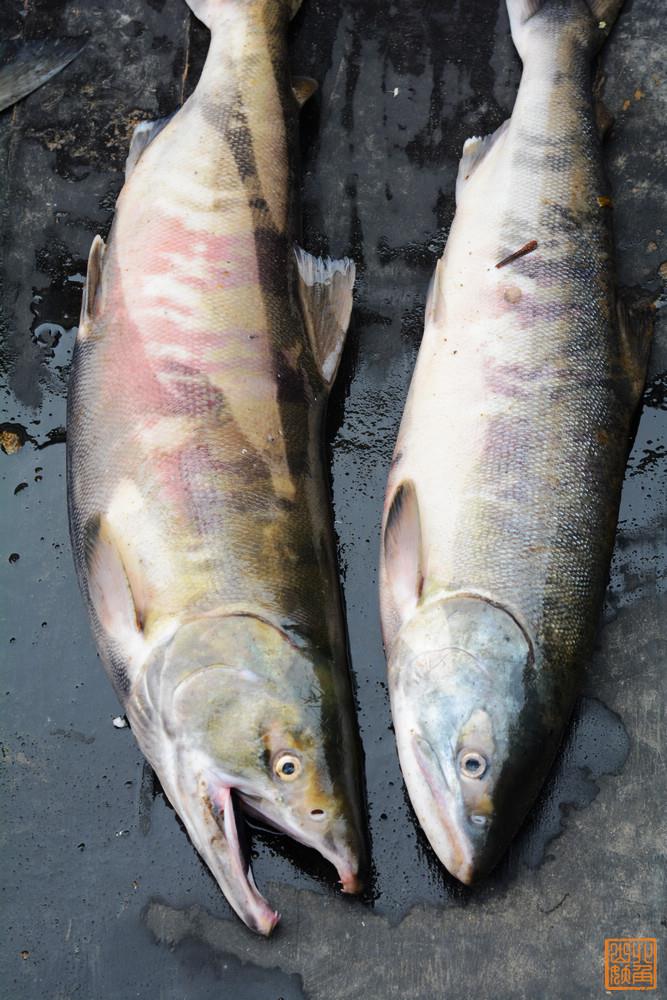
103, 896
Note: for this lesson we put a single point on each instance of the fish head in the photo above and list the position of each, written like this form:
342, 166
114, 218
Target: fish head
256, 727
473, 743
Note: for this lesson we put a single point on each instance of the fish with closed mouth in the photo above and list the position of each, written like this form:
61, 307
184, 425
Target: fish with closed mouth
504, 490
198, 498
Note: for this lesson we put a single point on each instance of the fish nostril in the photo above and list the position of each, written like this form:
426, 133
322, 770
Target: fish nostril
479, 820
317, 814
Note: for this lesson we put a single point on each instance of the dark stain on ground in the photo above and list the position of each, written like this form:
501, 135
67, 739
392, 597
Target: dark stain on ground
90, 840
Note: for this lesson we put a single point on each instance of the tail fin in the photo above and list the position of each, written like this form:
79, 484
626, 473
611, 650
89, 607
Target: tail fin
590, 20
206, 10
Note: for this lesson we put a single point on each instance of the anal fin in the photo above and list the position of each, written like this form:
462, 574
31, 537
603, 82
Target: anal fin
325, 292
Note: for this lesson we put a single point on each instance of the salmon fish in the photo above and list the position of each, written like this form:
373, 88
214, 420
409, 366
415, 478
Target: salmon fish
503, 494
198, 497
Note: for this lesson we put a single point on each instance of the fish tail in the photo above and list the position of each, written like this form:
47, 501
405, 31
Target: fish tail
589, 21
208, 10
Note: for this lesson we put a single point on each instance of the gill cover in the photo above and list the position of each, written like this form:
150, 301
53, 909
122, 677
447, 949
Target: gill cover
230, 716
473, 741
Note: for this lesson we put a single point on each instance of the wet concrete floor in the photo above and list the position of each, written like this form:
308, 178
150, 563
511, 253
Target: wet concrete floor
103, 896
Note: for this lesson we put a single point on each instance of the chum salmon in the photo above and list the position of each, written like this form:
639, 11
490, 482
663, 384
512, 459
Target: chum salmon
503, 494
198, 495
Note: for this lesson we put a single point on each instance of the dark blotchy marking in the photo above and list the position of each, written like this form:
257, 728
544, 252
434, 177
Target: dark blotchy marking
272, 249
238, 135
526, 248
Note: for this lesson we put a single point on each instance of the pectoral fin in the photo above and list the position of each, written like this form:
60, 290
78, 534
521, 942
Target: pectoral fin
325, 292
119, 607
403, 550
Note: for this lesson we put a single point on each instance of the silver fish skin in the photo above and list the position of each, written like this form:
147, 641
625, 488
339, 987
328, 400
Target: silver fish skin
199, 507
504, 490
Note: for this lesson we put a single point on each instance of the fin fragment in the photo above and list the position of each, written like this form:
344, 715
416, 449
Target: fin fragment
143, 135
303, 87
435, 298
474, 151
325, 293
403, 549
31, 64
93, 278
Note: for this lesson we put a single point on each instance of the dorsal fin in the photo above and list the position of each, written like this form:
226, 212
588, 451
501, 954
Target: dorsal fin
93, 277
403, 549
325, 291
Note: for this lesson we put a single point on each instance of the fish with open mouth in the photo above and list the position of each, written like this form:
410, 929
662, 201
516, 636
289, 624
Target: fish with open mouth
504, 490
198, 497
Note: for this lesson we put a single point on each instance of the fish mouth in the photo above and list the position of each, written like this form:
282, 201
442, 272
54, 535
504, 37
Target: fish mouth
341, 857
246, 898
428, 787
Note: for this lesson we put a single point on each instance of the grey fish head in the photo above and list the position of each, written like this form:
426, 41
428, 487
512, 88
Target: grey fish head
253, 724
474, 740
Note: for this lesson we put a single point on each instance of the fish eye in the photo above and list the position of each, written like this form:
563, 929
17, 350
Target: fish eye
287, 766
472, 764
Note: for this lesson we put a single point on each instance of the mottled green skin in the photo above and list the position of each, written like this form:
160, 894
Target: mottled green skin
195, 447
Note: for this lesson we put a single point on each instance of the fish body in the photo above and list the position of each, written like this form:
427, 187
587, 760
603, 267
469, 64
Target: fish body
199, 506
503, 494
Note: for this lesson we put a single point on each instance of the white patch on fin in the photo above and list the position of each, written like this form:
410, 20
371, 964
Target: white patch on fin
303, 87
93, 277
325, 292
474, 151
403, 550
143, 135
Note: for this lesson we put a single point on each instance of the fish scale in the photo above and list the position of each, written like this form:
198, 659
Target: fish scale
199, 506
502, 503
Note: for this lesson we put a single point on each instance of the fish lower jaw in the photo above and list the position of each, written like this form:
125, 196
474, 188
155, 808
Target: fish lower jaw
437, 807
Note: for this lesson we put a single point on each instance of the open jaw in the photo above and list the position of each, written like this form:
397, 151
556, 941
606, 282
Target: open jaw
239, 885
